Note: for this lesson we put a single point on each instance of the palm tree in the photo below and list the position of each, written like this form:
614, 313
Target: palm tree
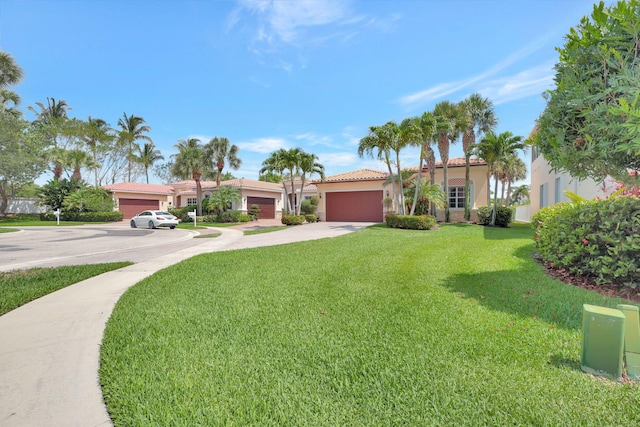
10, 74
428, 194
147, 156
52, 119
493, 149
427, 134
386, 138
77, 159
132, 129
274, 164
308, 165
222, 198
191, 163
511, 169
520, 193
220, 150
97, 132
450, 123
481, 119
291, 162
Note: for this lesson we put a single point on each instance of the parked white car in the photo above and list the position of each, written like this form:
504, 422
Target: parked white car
154, 219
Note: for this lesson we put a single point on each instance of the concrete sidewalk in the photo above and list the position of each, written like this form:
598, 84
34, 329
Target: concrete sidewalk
50, 348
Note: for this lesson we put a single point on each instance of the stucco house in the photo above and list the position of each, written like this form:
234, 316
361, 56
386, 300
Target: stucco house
358, 195
547, 187
131, 198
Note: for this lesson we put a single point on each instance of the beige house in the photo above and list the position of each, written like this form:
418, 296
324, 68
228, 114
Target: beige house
547, 187
132, 198
358, 195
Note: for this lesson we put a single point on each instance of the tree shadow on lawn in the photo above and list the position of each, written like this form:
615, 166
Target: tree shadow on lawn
514, 231
528, 292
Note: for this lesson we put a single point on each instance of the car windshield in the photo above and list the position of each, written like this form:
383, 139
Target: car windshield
163, 213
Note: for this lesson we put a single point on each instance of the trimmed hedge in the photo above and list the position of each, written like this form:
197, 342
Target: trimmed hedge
415, 222
311, 218
84, 216
292, 219
504, 215
599, 239
181, 213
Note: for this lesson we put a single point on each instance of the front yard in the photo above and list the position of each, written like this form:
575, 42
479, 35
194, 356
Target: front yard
455, 326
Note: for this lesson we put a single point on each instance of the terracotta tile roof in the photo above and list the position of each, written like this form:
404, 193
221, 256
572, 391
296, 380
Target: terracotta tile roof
136, 187
359, 175
453, 163
246, 184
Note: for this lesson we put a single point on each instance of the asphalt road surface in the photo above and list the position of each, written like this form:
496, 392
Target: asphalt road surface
53, 246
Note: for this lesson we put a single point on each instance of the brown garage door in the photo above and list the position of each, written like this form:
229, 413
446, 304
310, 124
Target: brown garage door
132, 207
355, 206
267, 206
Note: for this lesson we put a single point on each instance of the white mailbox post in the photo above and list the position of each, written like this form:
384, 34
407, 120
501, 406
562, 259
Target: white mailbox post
193, 216
57, 214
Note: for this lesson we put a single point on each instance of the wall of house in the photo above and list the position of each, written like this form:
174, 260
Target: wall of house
257, 193
547, 187
479, 190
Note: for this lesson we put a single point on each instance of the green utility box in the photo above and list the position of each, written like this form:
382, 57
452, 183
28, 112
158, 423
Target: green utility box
631, 339
602, 341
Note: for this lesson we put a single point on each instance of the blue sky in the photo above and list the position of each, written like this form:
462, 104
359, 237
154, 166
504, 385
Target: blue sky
283, 74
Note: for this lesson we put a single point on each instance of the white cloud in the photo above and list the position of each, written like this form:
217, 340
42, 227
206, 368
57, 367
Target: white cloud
526, 83
333, 160
264, 145
441, 90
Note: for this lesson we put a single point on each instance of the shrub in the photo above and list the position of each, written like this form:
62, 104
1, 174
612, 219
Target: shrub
229, 216
292, 219
181, 213
84, 216
245, 218
254, 212
419, 222
504, 216
308, 207
599, 239
311, 218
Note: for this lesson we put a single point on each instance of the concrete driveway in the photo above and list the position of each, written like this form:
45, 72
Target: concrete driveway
50, 347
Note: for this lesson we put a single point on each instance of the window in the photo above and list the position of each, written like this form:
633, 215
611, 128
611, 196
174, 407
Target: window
192, 201
543, 195
558, 191
456, 197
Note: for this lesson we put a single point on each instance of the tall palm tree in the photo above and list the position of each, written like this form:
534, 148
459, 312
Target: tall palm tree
96, 133
511, 169
377, 142
520, 193
308, 165
291, 162
10, 74
132, 129
77, 159
275, 164
220, 150
481, 119
408, 133
451, 121
493, 149
427, 135
191, 163
52, 118
147, 156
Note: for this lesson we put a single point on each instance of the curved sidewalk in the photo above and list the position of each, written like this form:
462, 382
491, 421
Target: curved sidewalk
50, 347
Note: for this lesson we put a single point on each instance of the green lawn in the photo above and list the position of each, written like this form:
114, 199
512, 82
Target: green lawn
21, 286
265, 230
383, 327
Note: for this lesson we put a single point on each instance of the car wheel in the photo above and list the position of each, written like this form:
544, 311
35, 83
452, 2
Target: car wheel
172, 227
133, 224
151, 224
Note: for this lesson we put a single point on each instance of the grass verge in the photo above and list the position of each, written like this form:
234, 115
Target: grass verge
18, 287
8, 230
455, 326
265, 230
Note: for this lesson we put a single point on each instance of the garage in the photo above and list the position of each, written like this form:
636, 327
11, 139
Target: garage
132, 207
354, 206
267, 206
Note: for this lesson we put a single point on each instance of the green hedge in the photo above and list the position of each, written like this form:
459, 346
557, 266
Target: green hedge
599, 239
293, 219
181, 213
504, 216
311, 218
415, 222
84, 216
